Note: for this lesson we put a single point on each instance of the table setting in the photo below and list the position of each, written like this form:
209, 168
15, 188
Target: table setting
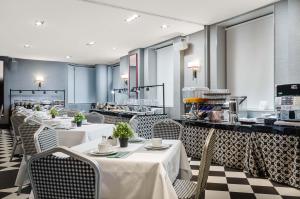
144, 169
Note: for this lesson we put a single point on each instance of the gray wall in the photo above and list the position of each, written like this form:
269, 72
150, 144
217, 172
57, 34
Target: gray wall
195, 52
101, 83
21, 74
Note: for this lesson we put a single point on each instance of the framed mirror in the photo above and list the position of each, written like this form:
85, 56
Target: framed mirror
133, 75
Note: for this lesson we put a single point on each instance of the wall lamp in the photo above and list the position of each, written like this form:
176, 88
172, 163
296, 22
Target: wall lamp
125, 78
194, 65
39, 81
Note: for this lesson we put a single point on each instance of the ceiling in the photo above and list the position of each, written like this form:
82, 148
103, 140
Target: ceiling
70, 24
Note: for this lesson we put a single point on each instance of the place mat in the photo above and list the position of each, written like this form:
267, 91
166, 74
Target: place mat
119, 154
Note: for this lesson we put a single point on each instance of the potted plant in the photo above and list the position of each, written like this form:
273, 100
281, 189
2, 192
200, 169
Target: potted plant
37, 108
78, 118
53, 112
123, 131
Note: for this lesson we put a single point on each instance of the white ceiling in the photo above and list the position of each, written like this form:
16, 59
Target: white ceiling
70, 24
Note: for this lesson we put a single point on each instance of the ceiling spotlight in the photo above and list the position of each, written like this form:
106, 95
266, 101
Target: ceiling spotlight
133, 17
147, 89
68, 56
91, 43
164, 26
114, 48
39, 23
27, 46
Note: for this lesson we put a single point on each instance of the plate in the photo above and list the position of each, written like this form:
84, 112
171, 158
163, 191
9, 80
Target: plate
95, 152
162, 147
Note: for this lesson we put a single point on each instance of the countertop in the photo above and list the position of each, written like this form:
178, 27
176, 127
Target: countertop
113, 113
295, 130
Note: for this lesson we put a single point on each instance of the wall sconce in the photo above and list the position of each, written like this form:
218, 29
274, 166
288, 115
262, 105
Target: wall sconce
195, 67
39, 80
125, 78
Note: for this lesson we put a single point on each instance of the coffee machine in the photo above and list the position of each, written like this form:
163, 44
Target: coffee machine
287, 102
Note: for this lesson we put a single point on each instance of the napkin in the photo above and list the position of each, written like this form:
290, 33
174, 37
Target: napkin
119, 155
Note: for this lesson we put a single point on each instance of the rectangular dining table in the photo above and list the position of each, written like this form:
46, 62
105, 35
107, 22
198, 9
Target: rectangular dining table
70, 136
85, 133
141, 174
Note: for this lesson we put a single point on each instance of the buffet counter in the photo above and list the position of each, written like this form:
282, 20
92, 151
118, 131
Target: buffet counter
261, 150
112, 117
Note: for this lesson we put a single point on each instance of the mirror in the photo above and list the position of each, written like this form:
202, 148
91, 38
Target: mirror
133, 75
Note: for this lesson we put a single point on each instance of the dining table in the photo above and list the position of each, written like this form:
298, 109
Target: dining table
70, 135
141, 173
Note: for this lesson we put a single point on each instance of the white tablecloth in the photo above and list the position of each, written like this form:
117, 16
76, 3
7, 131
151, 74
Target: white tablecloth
85, 133
143, 174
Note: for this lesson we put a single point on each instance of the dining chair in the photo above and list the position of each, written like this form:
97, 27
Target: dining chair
27, 131
94, 117
189, 190
71, 113
167, 129
45, 138
16, 120
63, 173
133, 122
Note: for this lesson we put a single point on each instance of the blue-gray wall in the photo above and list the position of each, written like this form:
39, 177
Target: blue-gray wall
21, 74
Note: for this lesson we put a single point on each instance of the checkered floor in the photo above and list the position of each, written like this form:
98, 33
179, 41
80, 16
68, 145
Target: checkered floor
223, 183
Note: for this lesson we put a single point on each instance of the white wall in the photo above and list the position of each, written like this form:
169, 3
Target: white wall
250, 61
165, 74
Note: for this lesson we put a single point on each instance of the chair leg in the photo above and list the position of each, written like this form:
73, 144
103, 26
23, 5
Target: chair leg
19, 190
14, 149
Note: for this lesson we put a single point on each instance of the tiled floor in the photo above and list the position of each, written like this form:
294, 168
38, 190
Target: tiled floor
223, 183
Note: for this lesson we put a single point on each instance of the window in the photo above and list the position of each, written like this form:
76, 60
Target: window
250, 61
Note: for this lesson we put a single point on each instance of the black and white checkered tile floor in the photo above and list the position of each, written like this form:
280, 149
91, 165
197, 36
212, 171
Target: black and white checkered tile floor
223, 183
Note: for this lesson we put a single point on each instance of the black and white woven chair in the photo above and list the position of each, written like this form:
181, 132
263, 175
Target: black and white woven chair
133, 122
95, 117
62, 173
27, 131
71, 113
45, 138
189, 190
167, 129
16, 120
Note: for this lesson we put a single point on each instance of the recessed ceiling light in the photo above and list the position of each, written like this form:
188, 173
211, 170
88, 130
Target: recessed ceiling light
68, 56
114, 48
27, 46
164, 26
39, 23
91, 43
133, 17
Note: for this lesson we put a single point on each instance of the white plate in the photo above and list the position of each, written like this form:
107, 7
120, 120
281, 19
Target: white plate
96, 152
162, 147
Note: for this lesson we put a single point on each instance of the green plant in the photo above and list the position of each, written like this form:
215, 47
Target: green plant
38, 108
123, 130
54, 112
78, 117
